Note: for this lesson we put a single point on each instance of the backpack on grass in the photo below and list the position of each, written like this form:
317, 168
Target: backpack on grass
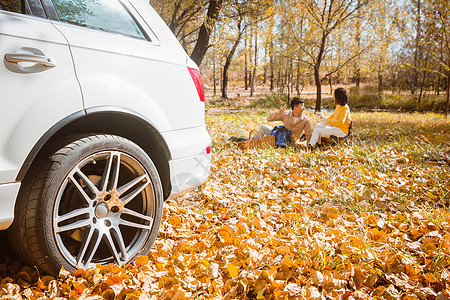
282, 136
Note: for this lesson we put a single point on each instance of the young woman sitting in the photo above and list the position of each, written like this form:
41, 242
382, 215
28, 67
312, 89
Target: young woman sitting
337, 124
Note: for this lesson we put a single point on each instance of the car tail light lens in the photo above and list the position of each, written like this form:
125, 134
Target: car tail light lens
208, 150
197, 78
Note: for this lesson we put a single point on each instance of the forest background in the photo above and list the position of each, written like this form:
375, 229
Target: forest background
390, 54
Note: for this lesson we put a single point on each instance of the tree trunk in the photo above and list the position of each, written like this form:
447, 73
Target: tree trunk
252, 87
214, 76
297, 84
358, 80
318, 89
358, 44
438, 86
421, 88
291, 78
279, 81
245, 74
205, 31
330, 80
380, 80
246, 77
417, 52
265, 74
228, 63
225, 78
214, 68
286, 78
448, 93
317, 73
422, 83
272, 75
255, 63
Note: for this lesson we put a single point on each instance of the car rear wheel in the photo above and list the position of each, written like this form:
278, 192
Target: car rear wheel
97, 200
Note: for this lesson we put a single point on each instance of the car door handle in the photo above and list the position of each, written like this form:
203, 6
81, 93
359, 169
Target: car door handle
31, 58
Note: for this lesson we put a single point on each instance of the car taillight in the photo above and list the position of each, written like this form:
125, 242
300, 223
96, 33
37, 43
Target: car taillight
208, 150
197, 78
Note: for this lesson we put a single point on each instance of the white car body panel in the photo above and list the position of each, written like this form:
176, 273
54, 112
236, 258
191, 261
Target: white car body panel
31, 98
103, 62
7, 192
187, 142
189, 173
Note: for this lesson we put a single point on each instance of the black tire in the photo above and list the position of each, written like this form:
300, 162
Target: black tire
97, 200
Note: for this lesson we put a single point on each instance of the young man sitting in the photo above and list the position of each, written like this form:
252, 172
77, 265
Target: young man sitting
294, 120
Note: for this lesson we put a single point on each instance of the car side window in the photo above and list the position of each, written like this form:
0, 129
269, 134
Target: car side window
105, 15
16, 6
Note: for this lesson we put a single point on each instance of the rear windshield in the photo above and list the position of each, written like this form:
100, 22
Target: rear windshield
12, 5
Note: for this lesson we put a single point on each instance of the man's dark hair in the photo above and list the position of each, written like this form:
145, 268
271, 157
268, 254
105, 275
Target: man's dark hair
296, 101
340, 94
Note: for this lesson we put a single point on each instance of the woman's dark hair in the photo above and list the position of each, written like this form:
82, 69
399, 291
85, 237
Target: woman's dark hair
296, 101
340, 94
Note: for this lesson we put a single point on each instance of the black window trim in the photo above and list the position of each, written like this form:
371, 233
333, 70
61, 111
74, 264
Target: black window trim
36, 8
153, 38
147, 37
25, 9
49, 10
53, 15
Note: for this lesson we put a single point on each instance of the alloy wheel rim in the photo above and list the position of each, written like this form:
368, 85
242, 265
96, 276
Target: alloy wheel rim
104, 210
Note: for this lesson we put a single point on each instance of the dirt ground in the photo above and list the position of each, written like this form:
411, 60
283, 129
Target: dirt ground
238, 93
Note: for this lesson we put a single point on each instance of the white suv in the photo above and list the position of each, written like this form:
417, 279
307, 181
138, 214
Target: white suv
102, 120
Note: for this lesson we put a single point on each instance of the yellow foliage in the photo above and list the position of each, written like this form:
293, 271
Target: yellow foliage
233, 270
352, 221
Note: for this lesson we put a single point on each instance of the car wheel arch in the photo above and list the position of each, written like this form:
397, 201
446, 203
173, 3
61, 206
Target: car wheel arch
105, 120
